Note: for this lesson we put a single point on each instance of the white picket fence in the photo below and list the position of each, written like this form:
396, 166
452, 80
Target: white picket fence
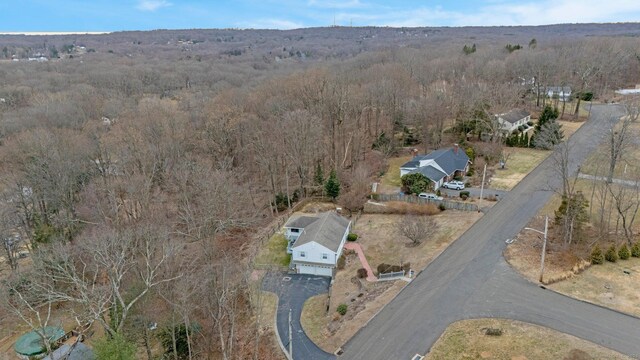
391, 275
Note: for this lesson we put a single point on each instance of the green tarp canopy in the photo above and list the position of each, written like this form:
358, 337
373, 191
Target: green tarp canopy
31, 344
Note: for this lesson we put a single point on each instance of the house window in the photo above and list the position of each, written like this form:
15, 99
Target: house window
325, 256
295, 230
302, 254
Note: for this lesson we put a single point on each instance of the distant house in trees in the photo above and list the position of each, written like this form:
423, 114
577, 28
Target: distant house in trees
439, 166
514, 118
316, 242
559, 92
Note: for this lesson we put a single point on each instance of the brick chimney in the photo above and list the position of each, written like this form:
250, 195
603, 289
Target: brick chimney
455, 148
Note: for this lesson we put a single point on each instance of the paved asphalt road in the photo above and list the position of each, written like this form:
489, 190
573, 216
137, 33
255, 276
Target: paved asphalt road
291, 295
471, 279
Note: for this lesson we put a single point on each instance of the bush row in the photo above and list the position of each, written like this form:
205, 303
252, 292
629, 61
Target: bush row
612, 254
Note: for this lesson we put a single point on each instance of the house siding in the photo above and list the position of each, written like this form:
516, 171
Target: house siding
291, 237
313, 254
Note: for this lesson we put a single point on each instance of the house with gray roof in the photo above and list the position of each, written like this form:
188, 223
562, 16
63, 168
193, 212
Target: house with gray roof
511, 120
439, 166
316, 242
559, 92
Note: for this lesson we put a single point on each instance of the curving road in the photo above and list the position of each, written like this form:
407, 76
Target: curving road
471, 279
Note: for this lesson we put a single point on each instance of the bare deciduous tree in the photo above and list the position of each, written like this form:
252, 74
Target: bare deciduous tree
417, 228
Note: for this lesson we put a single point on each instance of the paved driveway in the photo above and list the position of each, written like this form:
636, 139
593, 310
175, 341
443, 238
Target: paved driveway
471, 279
293, 290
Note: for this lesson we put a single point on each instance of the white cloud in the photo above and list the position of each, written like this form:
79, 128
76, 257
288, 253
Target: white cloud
152, 5
500, 12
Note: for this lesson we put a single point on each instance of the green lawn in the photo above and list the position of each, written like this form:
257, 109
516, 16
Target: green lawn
274, 252
392, 176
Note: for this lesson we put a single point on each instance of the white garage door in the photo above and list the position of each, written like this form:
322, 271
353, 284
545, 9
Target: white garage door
315, 270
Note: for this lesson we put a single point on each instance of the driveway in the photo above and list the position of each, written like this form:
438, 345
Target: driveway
471, 279
293, 290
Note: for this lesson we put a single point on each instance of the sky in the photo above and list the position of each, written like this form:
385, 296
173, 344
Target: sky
119, 15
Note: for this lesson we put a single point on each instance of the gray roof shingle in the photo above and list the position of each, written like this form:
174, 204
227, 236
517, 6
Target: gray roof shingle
430, 172
515, 115
300, 222
327, 231
448, 159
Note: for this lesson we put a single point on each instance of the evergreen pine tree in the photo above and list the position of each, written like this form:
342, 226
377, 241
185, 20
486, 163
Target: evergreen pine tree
319, 175
635, 249
624, 253
597, 257
611, 255
548, 114
332, 186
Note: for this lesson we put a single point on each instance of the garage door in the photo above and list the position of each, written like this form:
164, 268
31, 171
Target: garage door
315, 270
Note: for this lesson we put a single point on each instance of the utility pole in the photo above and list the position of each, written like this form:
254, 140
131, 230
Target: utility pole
290, 337
544, 246
484, 172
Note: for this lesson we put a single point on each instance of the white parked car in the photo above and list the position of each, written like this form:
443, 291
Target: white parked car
455, 185
429, 196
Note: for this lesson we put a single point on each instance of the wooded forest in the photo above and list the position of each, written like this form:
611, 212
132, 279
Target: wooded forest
138, 167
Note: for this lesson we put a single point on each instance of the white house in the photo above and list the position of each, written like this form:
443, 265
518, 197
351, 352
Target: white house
560, 92
316, 242
514, 118
439, 166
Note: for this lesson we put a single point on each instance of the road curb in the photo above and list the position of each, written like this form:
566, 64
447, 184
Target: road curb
275, 327
546, 287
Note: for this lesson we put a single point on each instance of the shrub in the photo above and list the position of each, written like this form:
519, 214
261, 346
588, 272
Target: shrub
635, 250
115, 348
342, 309
471, 153
341, 262
530, 123
611, 255
387, 268
362, 273
597, 257
464, 197
415, 183
442, 207
520, 128
352, 237
406, 266
464, 193
470, 172
348, 252
624, 253
457, 178
493, 332
438, 192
